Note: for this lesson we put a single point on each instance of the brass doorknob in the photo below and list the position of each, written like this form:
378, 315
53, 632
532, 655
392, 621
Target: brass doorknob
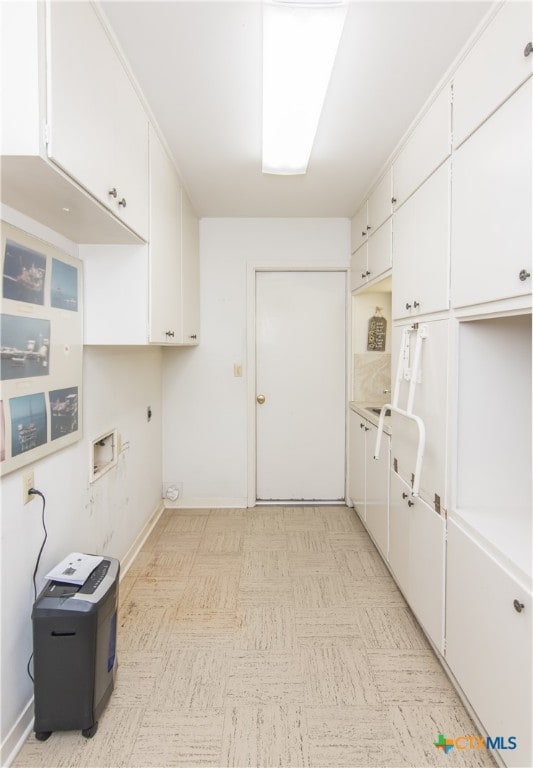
260, 399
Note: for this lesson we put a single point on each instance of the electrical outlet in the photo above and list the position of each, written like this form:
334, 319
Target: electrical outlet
27, 483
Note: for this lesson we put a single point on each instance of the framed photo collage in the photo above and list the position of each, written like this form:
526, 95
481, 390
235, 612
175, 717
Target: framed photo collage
41, 349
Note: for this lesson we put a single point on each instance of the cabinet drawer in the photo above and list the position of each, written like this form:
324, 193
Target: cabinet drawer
494, 67
427, 147
491, 206
488, 642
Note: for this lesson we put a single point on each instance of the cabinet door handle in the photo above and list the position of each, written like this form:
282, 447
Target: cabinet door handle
368, 227
363, 233
393, 200
122, 202
169, 333
518, 606
192, 336
367, 429
528, 49
410, 503
363, 275
416, 304
524, 274
368, 272
113, 192
361, 425
408, 306
404, 495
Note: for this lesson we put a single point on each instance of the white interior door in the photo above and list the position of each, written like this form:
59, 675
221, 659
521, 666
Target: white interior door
301, 373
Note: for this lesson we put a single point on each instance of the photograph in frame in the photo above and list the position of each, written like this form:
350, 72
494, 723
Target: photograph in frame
24, 273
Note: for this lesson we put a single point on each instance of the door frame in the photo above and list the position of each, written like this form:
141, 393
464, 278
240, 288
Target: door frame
252, 270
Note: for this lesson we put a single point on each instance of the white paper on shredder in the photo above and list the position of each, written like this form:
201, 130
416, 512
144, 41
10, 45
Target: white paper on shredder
75, 568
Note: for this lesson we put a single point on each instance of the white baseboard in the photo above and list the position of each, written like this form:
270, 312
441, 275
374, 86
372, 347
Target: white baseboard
16, 737
133, 551
208, 502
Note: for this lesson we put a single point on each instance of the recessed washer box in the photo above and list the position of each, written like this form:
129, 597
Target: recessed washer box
104, 454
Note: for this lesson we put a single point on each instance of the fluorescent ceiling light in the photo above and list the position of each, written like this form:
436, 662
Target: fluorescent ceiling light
300, 41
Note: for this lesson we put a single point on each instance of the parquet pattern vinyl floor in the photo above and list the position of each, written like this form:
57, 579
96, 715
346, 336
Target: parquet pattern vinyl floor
267, 637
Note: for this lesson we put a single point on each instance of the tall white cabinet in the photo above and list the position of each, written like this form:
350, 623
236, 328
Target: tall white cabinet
461, 227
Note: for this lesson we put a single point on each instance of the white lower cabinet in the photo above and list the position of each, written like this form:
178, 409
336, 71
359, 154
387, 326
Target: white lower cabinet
369, 479
488, 642
417, 557
377, 488
356, 474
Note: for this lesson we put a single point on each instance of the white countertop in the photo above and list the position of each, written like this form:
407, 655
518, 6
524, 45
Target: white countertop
362, 410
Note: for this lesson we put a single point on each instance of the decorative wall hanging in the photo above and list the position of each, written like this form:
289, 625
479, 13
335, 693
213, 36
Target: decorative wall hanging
377, 332
41, 349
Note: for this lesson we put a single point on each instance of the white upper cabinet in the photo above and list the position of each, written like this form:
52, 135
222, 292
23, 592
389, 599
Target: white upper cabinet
421, 248
380, 251
165, 325
73, 128
426, 148
359, 271
97, 128
160, 304
359, 228
493, 69
379, 205
492, 207
190, 273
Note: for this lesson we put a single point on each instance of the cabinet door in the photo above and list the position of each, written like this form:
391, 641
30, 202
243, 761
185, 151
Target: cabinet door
165, 248
380, 250
359, 267
98, 131
190, 273
427, 147
131, 158
358, 228
491, 208
430, 403
399, 532
492, 70
81, 96
421, 247
356, 474
380, 203
488, 643
427, 532
377, 489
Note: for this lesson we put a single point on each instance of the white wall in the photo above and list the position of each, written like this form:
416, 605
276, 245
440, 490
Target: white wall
105, 517
205, 429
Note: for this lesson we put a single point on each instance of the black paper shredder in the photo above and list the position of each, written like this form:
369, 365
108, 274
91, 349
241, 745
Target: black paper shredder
74, 651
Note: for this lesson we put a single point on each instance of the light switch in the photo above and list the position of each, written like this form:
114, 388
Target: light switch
237, 369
